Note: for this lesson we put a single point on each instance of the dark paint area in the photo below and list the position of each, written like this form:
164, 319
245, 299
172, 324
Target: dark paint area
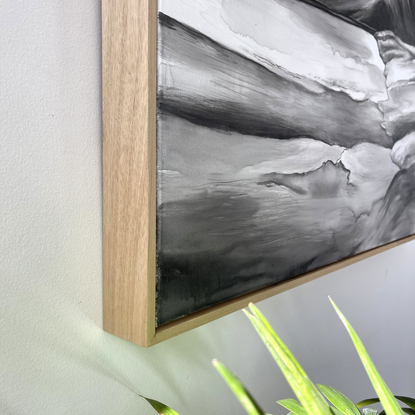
215, 251
395, 216
231, 239
217, 278
395, 15
223, 244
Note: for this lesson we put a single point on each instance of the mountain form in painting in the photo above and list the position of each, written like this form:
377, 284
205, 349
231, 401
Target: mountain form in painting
286, 142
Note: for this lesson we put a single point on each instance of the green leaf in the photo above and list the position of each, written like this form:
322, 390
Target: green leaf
370, 411
389, 402
306, 392
251, 407
293, 406
340, 401
367, 402
409, 411
407, 401
161, 408
335, 411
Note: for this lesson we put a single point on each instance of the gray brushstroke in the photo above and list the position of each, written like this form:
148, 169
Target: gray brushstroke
271, 32
249, 99
326, 26
224, 233
394, 216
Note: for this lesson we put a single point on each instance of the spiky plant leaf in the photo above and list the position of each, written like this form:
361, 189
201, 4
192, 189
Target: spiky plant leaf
161, 408
407, 401
335, 411
390, 404
367, 402
306, 392
293, 406
406, 410
244, 397
340, 401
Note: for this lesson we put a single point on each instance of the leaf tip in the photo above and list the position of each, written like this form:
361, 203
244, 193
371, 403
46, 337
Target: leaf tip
334, 305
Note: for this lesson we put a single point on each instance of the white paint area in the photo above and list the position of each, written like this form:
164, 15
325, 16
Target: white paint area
278, 35
54, 357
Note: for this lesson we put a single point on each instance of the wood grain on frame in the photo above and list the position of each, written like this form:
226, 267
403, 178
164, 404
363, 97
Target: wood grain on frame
129, 37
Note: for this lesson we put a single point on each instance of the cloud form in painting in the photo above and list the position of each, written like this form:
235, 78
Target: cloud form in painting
217, 87
299, 33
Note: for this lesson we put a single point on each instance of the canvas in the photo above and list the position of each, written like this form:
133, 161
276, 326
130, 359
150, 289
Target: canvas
285, 141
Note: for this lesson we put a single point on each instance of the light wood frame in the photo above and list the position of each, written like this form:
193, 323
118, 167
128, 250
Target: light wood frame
129, 58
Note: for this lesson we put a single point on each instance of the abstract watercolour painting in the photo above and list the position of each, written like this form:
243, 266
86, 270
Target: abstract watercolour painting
285, 141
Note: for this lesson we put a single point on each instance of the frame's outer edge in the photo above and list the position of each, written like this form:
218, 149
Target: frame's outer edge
129, 64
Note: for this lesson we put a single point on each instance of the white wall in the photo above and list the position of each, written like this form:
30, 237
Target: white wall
54, 357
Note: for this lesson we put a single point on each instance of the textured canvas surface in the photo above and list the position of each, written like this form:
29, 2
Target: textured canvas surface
285, 142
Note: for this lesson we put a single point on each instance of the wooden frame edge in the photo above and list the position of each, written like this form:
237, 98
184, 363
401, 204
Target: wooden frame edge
200, 318
129, 64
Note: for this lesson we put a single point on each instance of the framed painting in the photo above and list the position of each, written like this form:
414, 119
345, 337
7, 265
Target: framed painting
249, 146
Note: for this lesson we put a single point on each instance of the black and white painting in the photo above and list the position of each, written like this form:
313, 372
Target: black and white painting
286, 141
